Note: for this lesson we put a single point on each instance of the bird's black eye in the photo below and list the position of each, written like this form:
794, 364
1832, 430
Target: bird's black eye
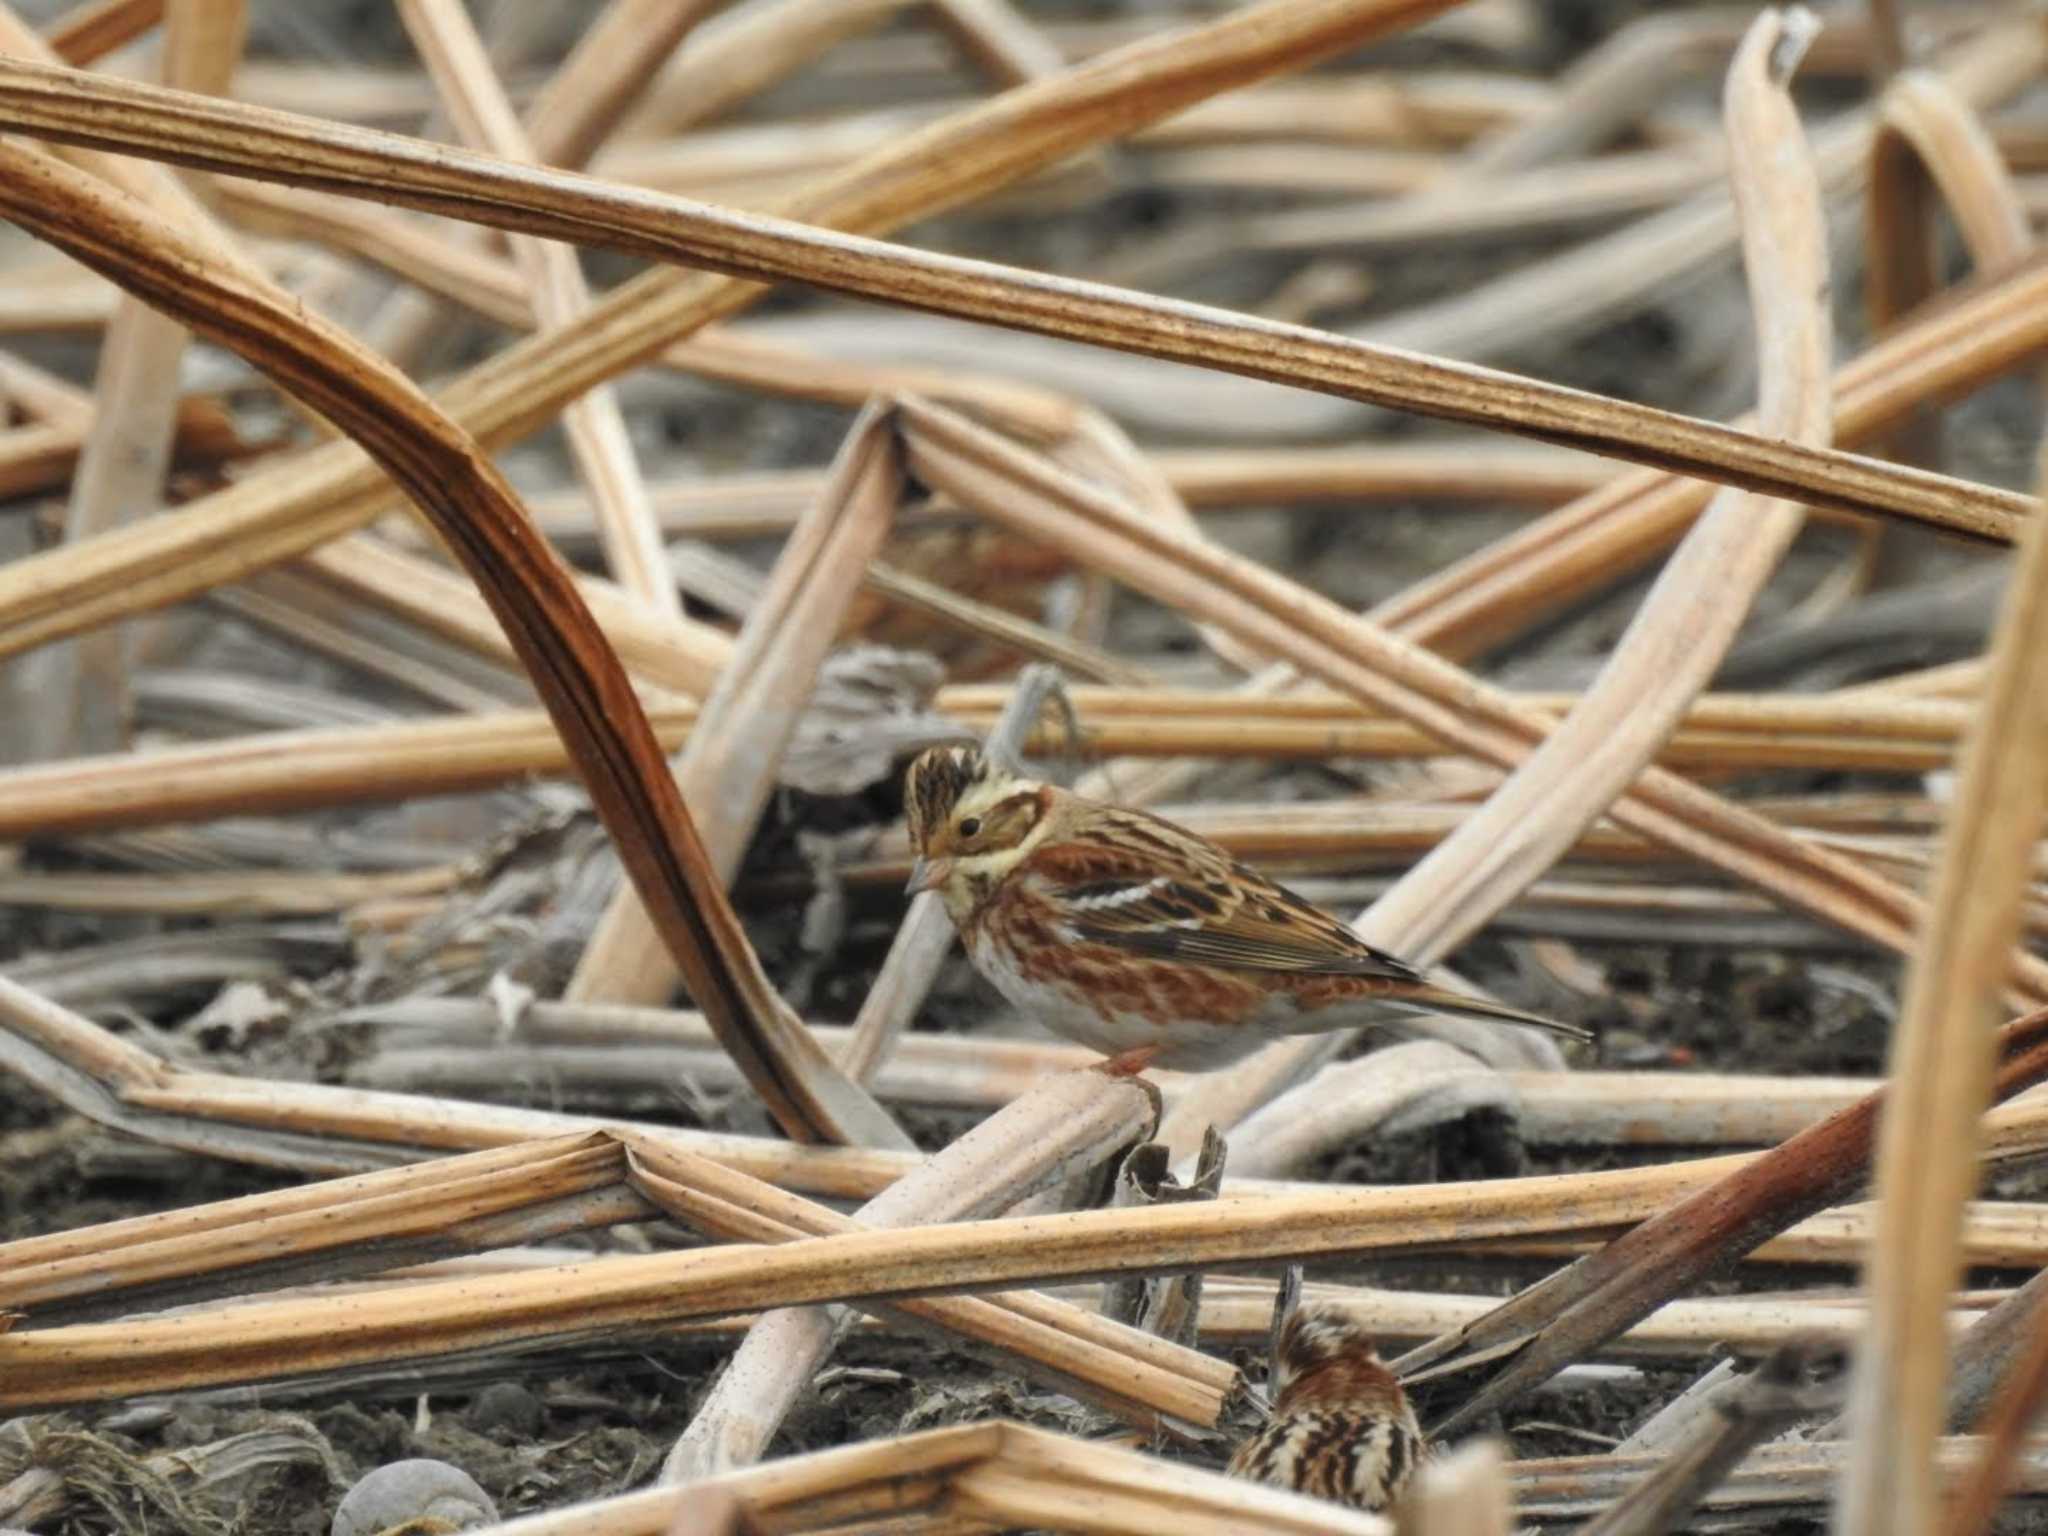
969, 825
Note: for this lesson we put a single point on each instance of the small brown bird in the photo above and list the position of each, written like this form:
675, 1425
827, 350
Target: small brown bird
1138, 937
1341, 1428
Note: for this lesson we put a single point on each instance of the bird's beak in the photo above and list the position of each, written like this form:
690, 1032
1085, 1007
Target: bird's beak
925, 874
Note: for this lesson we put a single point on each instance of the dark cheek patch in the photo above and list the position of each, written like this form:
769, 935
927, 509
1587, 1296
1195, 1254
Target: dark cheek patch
1004, 825
1016, 817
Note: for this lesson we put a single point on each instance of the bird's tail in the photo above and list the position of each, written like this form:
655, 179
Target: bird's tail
1434, 999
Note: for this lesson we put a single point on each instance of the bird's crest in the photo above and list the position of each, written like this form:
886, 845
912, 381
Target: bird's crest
937, 782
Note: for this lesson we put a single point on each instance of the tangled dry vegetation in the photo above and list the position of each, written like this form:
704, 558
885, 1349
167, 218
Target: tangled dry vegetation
1304, 415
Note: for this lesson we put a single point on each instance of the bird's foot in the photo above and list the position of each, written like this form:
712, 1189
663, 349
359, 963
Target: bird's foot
1129, 1063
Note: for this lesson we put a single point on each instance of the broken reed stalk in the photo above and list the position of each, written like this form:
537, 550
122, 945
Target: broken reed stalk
331, 1230
1140, 1378
75, 107
1565, 1317
329, 1127
1941, 1070
531, 1191
83, 684
675, 652
994, 1476
370, 1223
268, 1340
1930, 140
1237, 1313
437, 1044
321, 767
126, 451
327, 492
1671, 649
461, 1205
1417, 1083
1453, 468
744, 52
319, 1129
2003, 1432
1900, 266
728, 770
1055, 1138
492, 289
1960, 341
1548, 300
1488, 597
1022, 491
1781, 1478
475, 100
1986, 1355
231, 893
1737, 1415
604, 75
587, 691
1931, 149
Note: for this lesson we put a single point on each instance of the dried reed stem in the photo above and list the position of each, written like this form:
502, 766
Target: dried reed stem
1941, 1072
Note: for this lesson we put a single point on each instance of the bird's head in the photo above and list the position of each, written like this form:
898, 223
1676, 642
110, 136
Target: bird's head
971, 821
1326, 1354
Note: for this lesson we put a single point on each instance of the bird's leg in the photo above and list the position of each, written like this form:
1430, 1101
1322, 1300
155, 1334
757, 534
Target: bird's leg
1129, 1063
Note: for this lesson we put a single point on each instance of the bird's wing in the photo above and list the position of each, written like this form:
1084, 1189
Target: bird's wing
1129, 880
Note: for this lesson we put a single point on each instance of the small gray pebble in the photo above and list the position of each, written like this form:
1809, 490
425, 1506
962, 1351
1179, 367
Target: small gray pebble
506, 1405
417, 1490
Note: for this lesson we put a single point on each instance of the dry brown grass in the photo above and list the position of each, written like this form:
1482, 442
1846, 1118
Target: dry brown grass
970, 479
